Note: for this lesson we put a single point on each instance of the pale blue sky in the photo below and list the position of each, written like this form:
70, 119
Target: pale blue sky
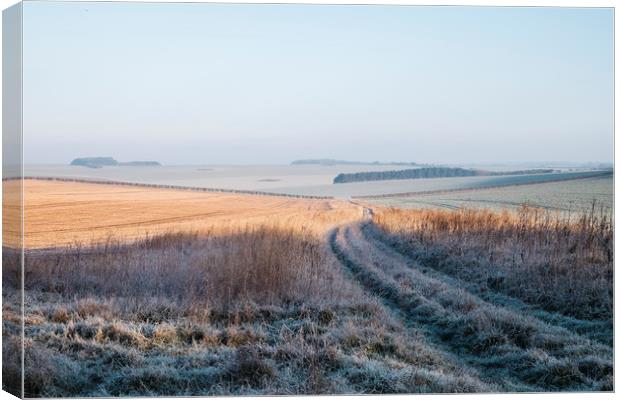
227, 83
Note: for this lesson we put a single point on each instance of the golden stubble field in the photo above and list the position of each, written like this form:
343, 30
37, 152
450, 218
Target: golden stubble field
397, 301
68, 213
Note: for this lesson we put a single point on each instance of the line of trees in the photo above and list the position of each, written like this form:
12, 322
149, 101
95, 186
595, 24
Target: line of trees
433, 172
99, 162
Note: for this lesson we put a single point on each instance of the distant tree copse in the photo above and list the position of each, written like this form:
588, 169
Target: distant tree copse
433, 172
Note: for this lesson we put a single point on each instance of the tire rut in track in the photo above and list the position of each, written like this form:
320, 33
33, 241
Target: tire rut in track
372, 282
506, 348
592, 330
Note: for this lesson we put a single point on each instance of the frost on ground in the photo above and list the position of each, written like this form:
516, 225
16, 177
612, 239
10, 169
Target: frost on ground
402, 302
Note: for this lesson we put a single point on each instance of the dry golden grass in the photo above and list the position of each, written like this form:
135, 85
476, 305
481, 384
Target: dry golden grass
261, 311
562, 265
63, 213
245, 294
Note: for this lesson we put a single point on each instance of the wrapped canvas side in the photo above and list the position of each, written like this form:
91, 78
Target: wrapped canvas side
12, 204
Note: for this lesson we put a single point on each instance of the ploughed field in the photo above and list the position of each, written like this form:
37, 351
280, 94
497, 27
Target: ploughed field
574, 196
286, 296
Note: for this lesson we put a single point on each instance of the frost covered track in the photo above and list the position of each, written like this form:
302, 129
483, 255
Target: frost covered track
508, 348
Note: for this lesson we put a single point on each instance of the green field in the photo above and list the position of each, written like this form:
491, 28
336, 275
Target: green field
571, 196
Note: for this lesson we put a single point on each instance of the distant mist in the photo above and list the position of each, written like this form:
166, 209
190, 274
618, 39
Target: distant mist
268, 84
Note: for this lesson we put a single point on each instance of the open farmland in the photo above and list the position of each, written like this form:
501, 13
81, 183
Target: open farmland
192, 293
570, 196
65, 213
307, 180
272, 199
